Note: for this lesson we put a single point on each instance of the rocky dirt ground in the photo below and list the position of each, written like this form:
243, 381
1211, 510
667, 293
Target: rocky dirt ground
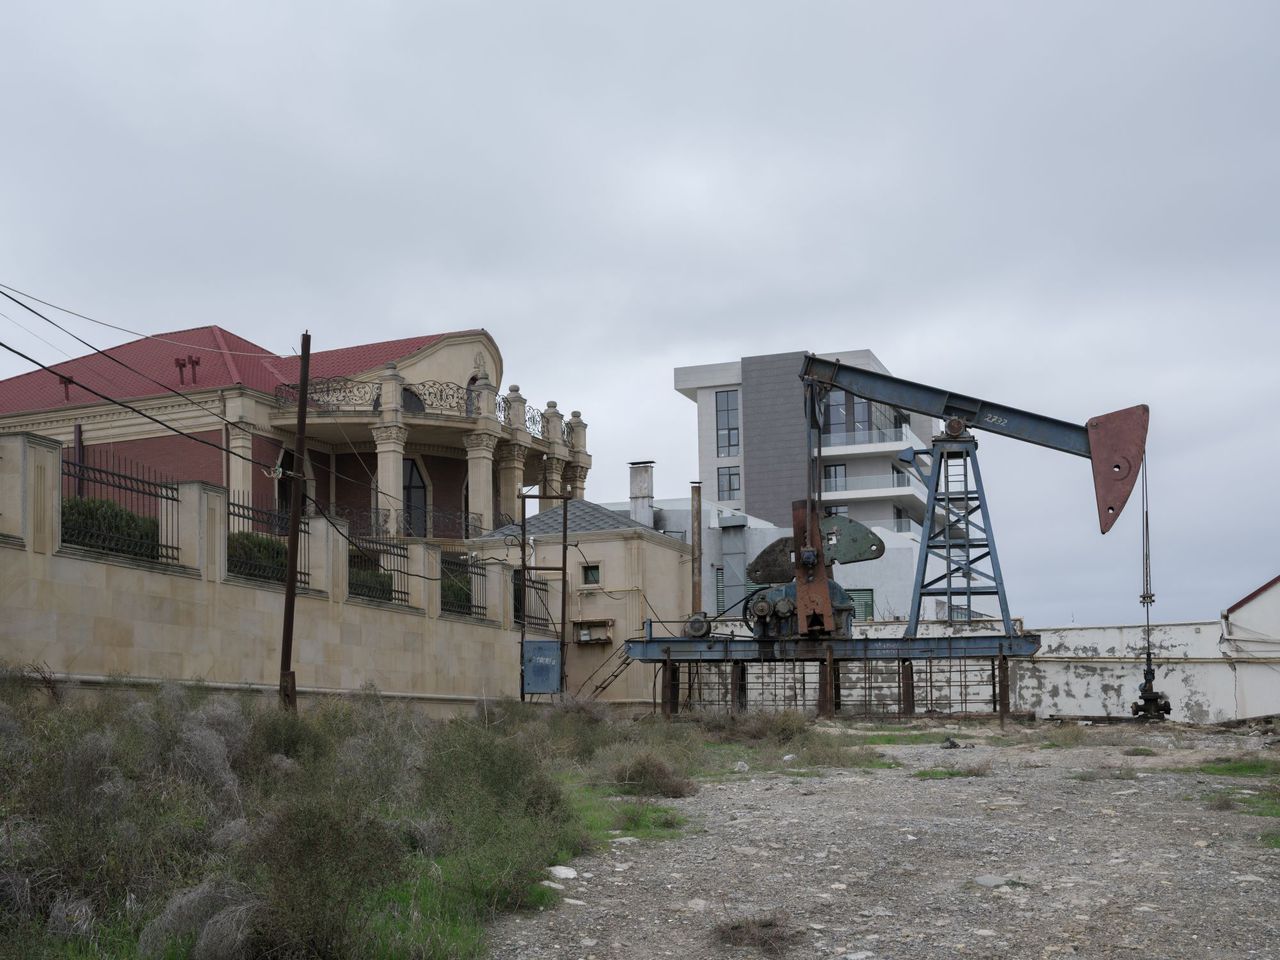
1076, 851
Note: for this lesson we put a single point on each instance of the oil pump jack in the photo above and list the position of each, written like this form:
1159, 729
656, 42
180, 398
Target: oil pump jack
806, 616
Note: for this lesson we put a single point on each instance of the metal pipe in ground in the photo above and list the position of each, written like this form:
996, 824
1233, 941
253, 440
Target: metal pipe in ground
288, 682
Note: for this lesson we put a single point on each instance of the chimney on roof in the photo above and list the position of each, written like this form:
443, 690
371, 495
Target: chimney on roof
642, 492
182, 369
194, 362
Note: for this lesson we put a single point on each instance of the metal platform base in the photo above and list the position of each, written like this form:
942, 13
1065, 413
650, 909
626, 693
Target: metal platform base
747, 649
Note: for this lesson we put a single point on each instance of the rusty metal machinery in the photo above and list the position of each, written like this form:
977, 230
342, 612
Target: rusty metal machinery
806, 615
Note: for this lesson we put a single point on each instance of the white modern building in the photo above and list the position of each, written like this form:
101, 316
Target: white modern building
753, 451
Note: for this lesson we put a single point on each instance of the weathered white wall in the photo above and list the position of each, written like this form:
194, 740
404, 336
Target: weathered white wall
1094, 671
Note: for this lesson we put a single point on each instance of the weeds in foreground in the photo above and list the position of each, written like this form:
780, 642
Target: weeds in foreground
1107, 773
1240, 766
767, 932
950, 773
1064, 736
830, 750
1139, 752
1271, 840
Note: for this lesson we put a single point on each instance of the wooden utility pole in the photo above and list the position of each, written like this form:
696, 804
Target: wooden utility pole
297, 483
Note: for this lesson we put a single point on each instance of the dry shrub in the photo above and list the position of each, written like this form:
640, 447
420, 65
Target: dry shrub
767, 932
1066, 735
185, 915
647, 774
317, 862
779, 726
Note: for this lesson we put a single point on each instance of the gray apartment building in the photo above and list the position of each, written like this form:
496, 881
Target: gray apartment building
753, 450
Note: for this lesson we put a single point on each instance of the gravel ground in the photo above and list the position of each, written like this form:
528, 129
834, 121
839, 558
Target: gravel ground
1024, 862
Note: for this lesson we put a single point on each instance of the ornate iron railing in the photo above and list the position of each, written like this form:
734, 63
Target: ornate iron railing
378, 569
503, 410
442, 396
535, 421
116, 506
333, 393
411, 523
530, 599
257, 542
462, 586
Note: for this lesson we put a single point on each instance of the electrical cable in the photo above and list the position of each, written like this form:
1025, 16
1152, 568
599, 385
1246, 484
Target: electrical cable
71, 381
52, 346
145, 336
179, 393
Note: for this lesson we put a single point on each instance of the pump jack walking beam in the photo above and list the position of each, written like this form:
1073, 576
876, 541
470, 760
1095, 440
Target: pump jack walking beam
1114, 442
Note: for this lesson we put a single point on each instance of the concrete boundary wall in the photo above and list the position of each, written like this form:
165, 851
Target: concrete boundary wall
93, 616
1096, 671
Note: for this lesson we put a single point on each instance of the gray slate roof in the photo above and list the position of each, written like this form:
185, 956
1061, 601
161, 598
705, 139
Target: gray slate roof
583, 515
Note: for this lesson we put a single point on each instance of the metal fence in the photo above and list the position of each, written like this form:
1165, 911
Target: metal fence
531, 601
116, 506
959, 686
410, 523
462, 585
378, 569
258, 542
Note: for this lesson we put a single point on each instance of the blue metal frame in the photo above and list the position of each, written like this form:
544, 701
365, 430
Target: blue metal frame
951, 495
723, 648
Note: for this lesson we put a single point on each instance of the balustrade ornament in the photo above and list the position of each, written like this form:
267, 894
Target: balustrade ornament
443, 396
503, 409
330, 393
535, 420
566, 430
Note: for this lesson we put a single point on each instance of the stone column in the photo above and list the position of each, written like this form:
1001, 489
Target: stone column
553, 430
480, 446
484, 397
511, 457
577, 433
517, 412
390, 439
575, 480
552, 474
390, 388
240, 472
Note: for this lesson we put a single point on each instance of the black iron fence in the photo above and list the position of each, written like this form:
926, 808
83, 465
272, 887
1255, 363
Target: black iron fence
462, 585
258, 542
378, 569
116, 506
530, 598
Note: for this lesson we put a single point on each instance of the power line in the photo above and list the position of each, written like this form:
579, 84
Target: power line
179, 393
164, 386
71, 381
28, 330
145, 336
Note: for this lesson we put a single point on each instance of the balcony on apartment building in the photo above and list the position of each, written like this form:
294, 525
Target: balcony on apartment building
902, 489
868, 442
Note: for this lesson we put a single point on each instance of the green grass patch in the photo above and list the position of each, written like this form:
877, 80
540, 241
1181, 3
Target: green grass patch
1139, 752
1241, 766
1271, 840
951, 773
603, 815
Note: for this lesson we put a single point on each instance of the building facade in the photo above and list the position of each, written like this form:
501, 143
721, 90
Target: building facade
405, 437
754, 454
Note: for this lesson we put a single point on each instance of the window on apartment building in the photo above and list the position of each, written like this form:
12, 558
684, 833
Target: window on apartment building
839, 510
591, 574
728, 483
837, 408
727, 433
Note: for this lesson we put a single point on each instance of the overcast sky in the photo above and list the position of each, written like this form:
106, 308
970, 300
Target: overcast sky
1067, 207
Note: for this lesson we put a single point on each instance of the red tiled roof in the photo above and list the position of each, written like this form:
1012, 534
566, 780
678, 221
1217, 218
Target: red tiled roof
225, 360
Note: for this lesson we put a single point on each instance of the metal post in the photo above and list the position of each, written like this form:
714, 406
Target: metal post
670, 687
738, 681
288, 683
1004, 687
524, 593
695, 539
906, 671
826, 685
564, 592
79, 446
